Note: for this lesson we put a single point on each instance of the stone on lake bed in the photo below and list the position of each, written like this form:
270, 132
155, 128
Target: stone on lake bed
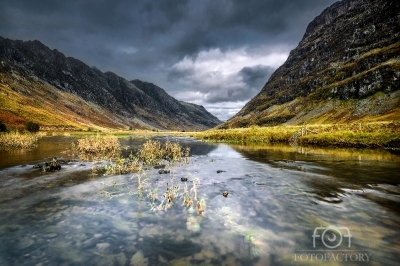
25, 242
162, 171
102, 246
121, 259
139, 260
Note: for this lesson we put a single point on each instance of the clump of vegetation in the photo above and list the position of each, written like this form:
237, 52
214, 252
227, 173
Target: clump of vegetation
153, 153
16, 140
175, 193
124, 165
32, 127
98, 147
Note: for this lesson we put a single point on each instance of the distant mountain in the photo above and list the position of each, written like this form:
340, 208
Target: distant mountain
46, 87
345, 69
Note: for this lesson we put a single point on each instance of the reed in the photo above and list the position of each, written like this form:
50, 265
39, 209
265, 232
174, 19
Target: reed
153, 153
99, 146
17, 140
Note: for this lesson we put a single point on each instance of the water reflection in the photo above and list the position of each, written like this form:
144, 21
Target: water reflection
277, 198
48, 147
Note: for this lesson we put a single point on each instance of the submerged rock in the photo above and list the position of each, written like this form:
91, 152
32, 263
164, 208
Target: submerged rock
139, 260
162, 171
53, 165
25, 242
102, 246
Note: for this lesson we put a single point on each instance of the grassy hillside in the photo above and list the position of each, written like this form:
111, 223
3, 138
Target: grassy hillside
23, 100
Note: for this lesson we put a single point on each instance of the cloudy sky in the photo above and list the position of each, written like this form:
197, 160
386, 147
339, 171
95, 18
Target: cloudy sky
217, 53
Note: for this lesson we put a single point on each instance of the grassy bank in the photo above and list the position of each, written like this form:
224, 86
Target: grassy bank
373, 135
249, 135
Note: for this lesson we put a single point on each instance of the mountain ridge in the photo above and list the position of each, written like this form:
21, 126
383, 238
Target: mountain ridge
346, 68
26, 64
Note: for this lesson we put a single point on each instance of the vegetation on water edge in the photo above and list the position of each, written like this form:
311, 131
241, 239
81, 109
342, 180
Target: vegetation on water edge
99, 146
17, 140
383, 134
253, 134
152, 153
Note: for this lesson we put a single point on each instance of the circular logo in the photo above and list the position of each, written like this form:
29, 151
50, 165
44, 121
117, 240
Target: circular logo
333, 236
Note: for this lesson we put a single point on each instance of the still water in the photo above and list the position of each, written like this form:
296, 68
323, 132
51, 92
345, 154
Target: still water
285, 206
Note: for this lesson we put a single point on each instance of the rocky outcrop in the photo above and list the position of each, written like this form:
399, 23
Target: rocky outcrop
350, 53
123, 103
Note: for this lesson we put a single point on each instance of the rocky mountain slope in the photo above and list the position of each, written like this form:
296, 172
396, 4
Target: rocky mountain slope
44, 86
346, 68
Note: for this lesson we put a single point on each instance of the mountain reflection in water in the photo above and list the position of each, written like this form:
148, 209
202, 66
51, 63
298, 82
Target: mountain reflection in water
279, 197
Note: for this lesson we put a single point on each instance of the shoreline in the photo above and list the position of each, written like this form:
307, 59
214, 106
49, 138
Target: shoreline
384, 135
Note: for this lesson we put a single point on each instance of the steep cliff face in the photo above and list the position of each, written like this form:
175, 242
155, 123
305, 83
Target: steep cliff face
346, 68
27, 69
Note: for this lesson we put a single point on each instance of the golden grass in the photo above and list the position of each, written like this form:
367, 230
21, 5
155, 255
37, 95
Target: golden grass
107, 147
152, 152
99, 146
383, 134
254, 134
16, 140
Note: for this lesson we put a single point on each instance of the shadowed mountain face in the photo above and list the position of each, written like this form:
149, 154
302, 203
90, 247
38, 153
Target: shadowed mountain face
346, 68
78, 95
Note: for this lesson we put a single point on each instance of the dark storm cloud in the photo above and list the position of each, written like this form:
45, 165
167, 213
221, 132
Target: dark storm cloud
179, 27
176, 74
231, 95
144, 39
252, 80
257, 76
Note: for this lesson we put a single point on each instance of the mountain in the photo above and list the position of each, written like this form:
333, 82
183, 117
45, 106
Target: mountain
45, 86
345, 69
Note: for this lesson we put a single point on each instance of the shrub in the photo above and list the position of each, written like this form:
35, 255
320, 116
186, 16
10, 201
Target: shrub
32, 127
3, 127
